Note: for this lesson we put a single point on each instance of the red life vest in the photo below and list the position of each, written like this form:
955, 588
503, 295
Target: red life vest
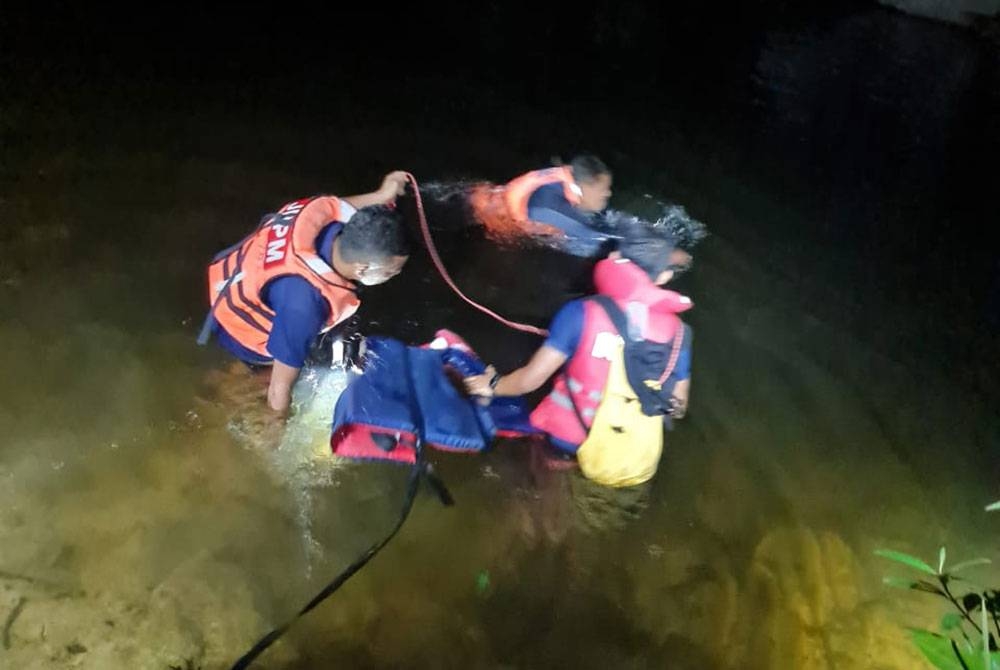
580, 383
284, 244
503, 210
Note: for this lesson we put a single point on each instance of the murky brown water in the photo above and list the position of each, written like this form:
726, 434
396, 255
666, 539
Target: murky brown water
147, 519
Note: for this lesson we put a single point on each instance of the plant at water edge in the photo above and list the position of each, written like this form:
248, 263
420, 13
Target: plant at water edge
967, 641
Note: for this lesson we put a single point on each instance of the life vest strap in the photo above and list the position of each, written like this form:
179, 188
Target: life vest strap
651, 398
205, 334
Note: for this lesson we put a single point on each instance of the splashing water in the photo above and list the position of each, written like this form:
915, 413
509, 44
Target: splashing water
303, 456
444, 191
665, 218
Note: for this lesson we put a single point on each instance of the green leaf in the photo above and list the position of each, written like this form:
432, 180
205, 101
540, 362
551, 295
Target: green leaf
950, 621
977, 662
899, 583
958, 567
936, 649
984, 626
993, 507
906, 559
941, 557
482, 582
913, 585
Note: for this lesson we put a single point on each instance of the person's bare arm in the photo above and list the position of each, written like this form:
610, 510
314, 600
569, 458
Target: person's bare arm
279, 391
682, 390
543, 364
393, 185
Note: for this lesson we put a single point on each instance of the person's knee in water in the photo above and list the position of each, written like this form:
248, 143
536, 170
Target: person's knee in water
599, 385
297, 275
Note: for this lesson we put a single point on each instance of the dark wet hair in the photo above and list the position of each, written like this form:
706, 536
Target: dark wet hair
645, 247
671, 224
587, 168
374, 233
676, 224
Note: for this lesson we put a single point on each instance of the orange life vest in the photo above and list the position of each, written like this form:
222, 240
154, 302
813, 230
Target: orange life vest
284, 244
518, 191
503, 210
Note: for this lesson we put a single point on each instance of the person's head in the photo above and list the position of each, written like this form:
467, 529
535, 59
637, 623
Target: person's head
373, 247
594, 179
654, 253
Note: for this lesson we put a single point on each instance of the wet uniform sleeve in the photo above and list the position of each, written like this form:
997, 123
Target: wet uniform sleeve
299, 314
551, 197
566, 328
683, 369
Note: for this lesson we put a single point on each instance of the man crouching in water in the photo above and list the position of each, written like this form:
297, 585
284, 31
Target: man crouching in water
296, 276
595, 411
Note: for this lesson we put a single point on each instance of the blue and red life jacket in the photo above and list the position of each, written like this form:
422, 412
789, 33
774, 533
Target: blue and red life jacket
406, 396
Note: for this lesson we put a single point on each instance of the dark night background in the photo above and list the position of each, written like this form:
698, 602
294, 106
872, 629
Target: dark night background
877, 134
874, 133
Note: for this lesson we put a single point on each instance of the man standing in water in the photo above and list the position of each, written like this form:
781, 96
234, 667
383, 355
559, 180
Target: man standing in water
593, 411
296, 277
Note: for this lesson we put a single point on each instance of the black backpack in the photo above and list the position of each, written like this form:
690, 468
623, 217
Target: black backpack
648, 365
